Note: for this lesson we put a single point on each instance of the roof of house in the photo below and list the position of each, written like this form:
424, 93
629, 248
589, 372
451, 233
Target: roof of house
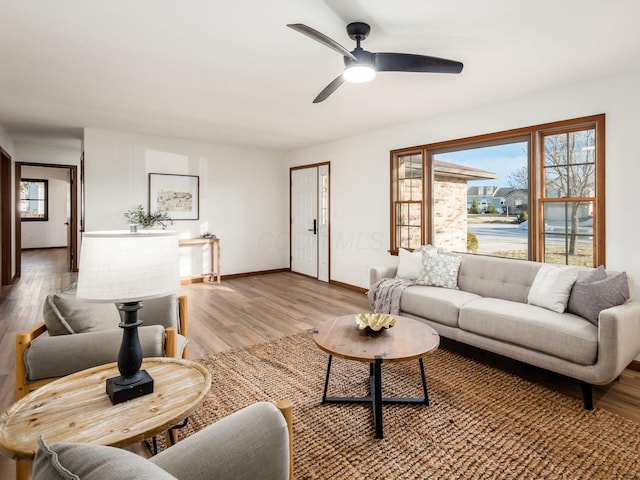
461, 171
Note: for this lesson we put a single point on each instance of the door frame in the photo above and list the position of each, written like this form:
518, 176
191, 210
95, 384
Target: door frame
302, 167
72, 237
6, 245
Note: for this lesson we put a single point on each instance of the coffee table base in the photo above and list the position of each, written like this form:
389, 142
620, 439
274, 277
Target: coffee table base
376, 399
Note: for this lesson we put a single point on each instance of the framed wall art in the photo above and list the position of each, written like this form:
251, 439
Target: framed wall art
177, 195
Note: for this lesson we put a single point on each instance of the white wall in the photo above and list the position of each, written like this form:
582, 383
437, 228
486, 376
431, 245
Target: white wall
35, 153
360, 169
53, 232
243, 194
6, 142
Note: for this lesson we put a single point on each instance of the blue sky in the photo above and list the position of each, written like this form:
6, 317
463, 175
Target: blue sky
499, 159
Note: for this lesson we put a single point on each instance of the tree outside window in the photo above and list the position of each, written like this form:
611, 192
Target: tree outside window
546, 204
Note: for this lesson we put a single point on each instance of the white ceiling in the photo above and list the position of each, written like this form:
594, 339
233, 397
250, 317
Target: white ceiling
232, 72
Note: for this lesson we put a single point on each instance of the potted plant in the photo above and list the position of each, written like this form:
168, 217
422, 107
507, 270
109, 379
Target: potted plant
139, 216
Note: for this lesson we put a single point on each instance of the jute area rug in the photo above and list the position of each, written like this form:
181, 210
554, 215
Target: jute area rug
482, 422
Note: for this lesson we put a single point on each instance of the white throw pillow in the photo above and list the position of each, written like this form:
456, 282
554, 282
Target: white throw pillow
552, 286
410, 264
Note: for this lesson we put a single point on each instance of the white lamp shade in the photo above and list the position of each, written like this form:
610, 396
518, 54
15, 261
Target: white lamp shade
123, 266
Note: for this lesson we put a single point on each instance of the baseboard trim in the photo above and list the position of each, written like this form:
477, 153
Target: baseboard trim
205, 278
251, 274
348, 286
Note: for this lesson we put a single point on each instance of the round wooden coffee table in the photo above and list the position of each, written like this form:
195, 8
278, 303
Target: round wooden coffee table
408, 340
76, 408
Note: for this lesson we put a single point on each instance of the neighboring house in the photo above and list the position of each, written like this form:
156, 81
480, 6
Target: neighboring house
506, 200
450, 203
515, 200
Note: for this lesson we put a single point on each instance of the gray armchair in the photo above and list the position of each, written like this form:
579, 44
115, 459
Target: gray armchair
79, 335
252, 443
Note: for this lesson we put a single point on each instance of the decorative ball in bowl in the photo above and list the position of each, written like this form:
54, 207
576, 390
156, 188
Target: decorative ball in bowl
375, 322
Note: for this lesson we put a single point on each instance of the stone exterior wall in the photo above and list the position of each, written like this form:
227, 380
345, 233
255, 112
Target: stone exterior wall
450, 213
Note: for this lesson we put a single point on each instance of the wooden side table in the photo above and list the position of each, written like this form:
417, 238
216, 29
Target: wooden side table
214, 274
408, 340
76, 408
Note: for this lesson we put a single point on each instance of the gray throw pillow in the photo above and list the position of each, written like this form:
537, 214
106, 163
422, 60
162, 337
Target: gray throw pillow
75, 461
439, 270
64, 314
593, 275
588, 299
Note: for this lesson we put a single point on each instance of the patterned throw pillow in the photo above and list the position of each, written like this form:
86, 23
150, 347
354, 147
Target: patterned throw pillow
439, 270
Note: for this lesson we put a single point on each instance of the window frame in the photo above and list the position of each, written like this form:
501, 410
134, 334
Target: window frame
534, 135
45, 183
395, 155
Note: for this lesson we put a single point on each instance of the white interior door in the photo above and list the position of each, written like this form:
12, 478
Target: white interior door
310, 221
304, 221
323, 223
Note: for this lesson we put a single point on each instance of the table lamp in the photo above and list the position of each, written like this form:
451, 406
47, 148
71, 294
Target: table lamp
125, 268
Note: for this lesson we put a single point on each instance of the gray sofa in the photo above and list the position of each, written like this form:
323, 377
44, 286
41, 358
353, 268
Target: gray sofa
489, 310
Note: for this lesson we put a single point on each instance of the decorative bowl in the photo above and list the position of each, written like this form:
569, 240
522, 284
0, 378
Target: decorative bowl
374, 321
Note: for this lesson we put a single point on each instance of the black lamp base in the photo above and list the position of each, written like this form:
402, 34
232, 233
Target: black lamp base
120, 389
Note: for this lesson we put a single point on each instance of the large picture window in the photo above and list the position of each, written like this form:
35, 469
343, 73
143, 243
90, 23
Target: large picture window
34, 200
532, 193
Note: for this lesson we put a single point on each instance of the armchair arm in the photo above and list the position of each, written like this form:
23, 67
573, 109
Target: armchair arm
183, 315
23, 341
172, 344
250, 443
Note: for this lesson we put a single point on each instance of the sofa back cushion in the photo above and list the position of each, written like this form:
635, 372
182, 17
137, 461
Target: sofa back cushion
496, 277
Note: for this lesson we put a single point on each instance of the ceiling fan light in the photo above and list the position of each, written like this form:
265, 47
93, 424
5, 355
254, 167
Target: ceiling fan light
359, 74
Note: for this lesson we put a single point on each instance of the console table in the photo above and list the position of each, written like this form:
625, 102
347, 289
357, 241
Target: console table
214, 274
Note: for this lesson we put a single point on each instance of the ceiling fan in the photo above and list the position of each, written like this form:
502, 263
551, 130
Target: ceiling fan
361, 65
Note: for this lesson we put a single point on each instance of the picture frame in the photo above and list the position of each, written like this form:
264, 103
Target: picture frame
177, 195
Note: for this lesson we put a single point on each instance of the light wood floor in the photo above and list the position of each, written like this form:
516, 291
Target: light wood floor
245, 311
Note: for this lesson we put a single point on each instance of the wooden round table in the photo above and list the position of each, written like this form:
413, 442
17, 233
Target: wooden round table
76, 408
408, 340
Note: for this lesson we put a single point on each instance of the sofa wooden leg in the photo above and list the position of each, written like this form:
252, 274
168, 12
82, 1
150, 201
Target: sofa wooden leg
587, 395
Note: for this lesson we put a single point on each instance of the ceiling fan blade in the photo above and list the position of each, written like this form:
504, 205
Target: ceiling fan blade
329, 89
407, 62
322, 38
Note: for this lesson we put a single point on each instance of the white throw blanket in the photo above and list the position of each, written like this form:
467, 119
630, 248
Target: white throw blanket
384, 296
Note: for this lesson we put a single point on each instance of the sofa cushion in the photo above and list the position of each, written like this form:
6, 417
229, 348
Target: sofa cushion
438, 304
75, 461
552, 286
562, 335
64, 314
588, 299
439, 270
495, 277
